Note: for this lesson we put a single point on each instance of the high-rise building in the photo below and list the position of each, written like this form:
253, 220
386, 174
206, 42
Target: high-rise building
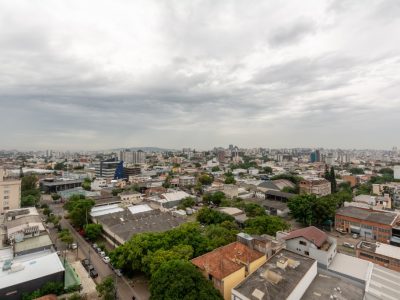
10, 193
106, 168
132, 157
396, 173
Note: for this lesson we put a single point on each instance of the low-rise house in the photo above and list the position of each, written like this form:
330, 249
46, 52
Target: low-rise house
311, 242
130, 197
187, 180
316, 186
227, 266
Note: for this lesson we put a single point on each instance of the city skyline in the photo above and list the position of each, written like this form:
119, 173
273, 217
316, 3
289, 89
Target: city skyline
87, 75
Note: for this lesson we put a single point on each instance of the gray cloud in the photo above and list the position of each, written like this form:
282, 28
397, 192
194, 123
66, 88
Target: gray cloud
88, 75
289, 35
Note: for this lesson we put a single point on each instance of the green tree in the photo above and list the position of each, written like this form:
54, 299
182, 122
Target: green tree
220, 234
310, 210
66, 237
75, 296
55, 196
86, 184
333, 180
215, 169
93, 231
154, 260
289, 189
301, 208
179, 279
267, 170
29, 200
364, 189
229, 178
254, 210
78, 209
187, 202
291, 177
60, 166
214, 198
265, 225
205, 179
356, 171
30, 194
106, 288
209, 216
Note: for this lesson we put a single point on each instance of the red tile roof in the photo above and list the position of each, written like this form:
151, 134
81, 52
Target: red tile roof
312, 234
226, 260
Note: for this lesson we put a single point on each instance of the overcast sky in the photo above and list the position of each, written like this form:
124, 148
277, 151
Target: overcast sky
106, 74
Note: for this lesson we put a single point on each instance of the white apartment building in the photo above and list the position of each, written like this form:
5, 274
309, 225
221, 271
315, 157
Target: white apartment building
10, 193
132, 157
396, 170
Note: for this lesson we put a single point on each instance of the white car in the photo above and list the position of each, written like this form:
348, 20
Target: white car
348, 245
74, 246
102, 254
106, 259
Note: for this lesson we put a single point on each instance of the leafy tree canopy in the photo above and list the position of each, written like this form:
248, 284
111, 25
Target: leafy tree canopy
179, 279
93, 231
265, 225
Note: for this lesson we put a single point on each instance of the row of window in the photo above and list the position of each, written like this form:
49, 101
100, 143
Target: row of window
380, 259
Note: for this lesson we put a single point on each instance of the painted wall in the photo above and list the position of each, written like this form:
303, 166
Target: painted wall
304, 283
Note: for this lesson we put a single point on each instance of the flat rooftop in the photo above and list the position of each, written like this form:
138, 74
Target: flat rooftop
33, 243
353, 267
34, 266
381, 217
380, 248
125, 224
323, 286
273, 282
60, 182
384, 284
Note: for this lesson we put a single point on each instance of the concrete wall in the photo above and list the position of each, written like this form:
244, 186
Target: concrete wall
231, 281
304, 283
10, 194
323, 257
15, 292
256, 264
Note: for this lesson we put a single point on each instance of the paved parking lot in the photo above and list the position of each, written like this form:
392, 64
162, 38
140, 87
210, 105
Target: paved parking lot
345, 238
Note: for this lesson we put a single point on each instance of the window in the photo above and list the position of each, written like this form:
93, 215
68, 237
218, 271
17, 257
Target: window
366, 255
6, 192
303, 243
386, 261
306, 253
6, 197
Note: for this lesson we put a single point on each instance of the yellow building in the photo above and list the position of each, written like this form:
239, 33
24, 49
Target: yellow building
227, 266
10, 193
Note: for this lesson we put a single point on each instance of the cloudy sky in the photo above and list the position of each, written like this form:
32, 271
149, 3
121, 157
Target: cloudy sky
103, 74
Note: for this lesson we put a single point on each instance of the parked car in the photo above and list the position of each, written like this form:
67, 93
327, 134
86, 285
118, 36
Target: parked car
106, 259
348, 245
85, 262
74, 246
94, 246
98, 250
89, 268
118, 272
93, 273
355, 236
102, 254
